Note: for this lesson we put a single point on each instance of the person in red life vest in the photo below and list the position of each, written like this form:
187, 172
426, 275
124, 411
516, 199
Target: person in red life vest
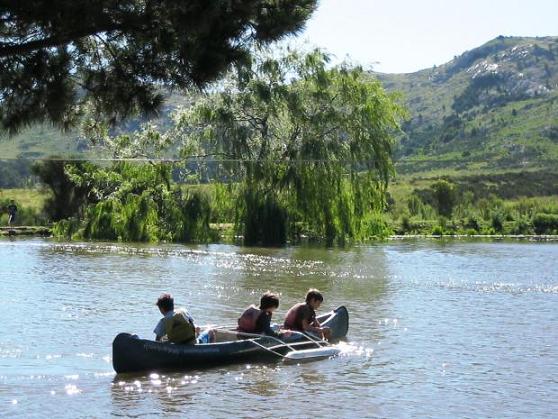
302, 316
258, 321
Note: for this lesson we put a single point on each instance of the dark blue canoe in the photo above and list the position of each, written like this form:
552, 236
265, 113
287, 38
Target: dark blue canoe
131, 354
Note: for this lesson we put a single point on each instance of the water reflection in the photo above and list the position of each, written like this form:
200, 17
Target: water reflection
261, 381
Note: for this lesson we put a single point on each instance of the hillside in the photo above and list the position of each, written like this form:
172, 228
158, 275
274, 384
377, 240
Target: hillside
40, 141
492, 108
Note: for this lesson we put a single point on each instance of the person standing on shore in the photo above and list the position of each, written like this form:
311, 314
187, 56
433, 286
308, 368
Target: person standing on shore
12, 212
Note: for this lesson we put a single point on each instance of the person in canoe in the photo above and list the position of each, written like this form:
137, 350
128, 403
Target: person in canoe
258, 320
302, 316
177, 326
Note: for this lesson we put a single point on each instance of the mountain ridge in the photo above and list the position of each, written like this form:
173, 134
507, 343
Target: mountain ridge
494, 107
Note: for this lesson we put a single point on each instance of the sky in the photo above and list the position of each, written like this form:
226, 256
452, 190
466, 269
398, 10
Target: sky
399, 36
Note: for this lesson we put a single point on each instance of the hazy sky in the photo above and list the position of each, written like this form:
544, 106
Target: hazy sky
408, 35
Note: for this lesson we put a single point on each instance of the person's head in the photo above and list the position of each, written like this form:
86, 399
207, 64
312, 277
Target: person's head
314, 298
269, 302
165, 302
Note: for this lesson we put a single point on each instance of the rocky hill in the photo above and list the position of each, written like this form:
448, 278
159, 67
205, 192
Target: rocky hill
492, 108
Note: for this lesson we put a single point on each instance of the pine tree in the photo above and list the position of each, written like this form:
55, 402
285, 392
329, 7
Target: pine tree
113, 57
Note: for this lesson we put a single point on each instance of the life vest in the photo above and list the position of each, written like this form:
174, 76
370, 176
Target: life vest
247, 320
291, 319
180, 329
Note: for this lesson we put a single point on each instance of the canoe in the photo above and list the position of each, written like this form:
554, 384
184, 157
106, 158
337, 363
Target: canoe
132, 354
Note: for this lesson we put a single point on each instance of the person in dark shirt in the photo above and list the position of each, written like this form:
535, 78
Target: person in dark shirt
302, 316
12, 212
268, 304
258, 321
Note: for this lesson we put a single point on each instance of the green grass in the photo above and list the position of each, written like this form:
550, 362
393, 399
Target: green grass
33, 199
30, 204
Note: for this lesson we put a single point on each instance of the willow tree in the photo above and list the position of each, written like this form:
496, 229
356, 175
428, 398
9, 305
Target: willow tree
313, 144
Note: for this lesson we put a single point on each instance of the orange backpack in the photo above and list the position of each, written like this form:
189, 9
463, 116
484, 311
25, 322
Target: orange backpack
247, 321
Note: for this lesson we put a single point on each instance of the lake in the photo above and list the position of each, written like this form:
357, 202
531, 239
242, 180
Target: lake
437, 329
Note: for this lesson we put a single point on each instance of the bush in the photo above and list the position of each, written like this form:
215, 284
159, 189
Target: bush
545, 223
444, 197
473, 223
415, 205
101, 221
497, 222
521, 226
406, 226
376, 226
488, 231
67, 229
438, 231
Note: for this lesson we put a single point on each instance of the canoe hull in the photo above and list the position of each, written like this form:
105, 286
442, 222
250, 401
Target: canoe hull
131, 354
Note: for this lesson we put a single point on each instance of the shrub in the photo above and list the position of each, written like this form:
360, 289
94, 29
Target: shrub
497, 222
415, 205
376, 226
406, 226
545, 223
444, 197
101, 222
473, 223
521, 226
438, 231
67, 229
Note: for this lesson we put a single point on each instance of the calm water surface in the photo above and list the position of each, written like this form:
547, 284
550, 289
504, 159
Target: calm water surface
466, 329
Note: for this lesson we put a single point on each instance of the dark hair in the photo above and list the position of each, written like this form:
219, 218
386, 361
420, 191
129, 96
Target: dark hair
269, 300
314, 294
165, 302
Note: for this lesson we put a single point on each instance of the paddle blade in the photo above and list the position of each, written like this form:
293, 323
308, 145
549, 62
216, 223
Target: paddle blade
311, 354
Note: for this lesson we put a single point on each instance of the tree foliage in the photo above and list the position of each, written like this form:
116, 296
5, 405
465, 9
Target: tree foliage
445, 197
114, 55
66, 198
15, 174
317, 141
136, 202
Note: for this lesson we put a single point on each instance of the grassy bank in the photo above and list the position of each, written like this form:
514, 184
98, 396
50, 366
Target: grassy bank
505, 203
467, 203
30, 203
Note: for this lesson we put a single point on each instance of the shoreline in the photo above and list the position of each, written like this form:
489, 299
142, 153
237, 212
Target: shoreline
43, 231
529, 237
40, 231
